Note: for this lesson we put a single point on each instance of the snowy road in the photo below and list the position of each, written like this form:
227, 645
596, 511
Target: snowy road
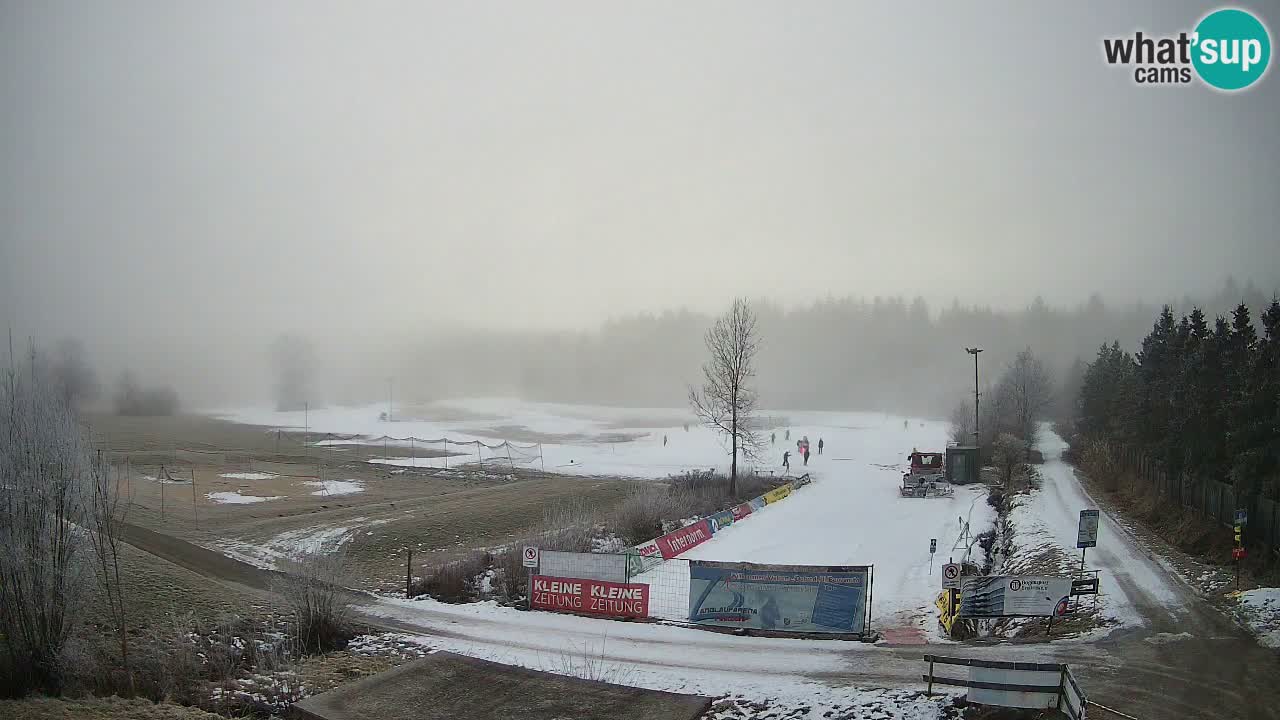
1140, 589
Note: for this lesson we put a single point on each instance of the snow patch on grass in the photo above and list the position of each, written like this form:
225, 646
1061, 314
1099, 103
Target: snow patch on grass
234, 497
335, 487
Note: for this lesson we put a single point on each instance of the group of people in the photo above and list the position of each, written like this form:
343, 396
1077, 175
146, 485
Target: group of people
802, 448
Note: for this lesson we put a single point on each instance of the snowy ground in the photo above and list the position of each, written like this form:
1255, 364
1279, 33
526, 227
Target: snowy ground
295, 542
335, 487
1260, 610
852, 514
750, 673
594, 440
1130, 580
235, 498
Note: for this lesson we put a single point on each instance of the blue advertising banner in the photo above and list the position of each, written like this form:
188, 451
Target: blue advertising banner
757, 503
721, 520
785, 598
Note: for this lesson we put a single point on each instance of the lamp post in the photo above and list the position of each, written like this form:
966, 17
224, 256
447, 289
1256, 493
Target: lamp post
974, 352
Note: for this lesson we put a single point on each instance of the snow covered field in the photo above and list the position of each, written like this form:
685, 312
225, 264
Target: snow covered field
595, 440
852, 513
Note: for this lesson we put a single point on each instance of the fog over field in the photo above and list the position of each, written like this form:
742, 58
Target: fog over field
554, 199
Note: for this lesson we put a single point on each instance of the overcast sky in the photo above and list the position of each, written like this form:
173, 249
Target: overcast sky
213, 167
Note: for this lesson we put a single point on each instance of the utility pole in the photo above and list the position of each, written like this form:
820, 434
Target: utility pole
390, 399
976, 437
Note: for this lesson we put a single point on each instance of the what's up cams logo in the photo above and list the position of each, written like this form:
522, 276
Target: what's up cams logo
1228, 50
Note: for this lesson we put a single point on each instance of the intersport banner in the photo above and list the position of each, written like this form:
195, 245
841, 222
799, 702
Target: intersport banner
590, 597
787, 598
684, 539
777, 494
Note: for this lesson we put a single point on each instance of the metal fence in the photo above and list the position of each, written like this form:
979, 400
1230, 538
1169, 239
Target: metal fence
1212, 500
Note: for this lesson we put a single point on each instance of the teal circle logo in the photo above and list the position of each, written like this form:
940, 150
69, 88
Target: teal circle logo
1231, 49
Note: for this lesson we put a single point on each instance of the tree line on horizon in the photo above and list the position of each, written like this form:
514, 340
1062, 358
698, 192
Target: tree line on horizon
883, 354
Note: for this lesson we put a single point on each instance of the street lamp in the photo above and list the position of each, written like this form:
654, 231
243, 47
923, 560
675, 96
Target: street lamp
974, 352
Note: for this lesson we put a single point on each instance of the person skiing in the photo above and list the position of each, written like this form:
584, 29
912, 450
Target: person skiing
664, 441
788, 437
806, 456
786, 460
773, 438
819, 446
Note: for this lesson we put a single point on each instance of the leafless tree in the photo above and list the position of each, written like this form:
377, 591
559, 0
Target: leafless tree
44, 567
1031, 392
962, 423
727, 400
71, 374
107, 511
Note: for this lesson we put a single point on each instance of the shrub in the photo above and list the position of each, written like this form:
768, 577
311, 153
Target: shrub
454, 581
640, 515
312, 590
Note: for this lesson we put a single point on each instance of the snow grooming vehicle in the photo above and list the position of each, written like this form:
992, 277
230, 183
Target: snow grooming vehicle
927, 476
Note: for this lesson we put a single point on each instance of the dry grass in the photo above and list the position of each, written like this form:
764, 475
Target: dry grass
110, 708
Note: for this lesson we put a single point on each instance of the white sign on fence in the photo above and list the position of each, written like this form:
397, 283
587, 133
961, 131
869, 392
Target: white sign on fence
584, 566
951, 576
1087, 535
982, 676
530, 557
1013, 596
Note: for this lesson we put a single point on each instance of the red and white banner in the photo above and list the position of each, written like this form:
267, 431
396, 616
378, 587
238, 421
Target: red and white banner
684, 539
741, 511
590, 597
648, 549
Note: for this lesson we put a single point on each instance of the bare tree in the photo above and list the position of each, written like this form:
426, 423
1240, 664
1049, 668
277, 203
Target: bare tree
962, 423
106, 518
71, 374
1031, 392
44, 463
727, 400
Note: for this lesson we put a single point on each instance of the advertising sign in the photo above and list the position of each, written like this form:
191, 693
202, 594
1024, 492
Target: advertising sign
777, 494
1013, 596
590, 597
788, 598
741, 511
678, 541
757, 502
721, 520
643, 558
596, 566
1087, 534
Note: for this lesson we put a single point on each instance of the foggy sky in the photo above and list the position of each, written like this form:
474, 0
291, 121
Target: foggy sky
197, 171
